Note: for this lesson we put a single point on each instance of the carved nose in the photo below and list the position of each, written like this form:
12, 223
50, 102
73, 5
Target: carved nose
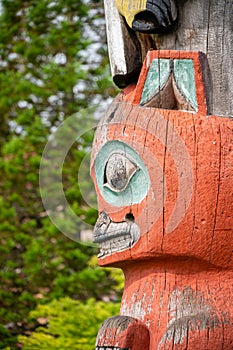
146, 22
160, 16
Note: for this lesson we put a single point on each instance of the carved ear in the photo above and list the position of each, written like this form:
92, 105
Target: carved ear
123, 46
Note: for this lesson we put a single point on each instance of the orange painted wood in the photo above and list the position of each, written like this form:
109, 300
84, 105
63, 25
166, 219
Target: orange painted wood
123, 332
185, 304
179, 274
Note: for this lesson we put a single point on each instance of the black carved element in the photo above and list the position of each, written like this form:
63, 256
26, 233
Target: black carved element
160, 16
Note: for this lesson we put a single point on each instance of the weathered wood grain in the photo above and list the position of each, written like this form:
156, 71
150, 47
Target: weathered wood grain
179, 269
123, 333
204, 26
123, 47
162, 165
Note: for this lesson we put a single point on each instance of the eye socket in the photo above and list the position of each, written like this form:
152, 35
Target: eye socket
118, 172
136, 181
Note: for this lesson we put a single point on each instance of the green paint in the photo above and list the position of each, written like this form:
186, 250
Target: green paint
159, 73
185, 80
157, 77
139, 183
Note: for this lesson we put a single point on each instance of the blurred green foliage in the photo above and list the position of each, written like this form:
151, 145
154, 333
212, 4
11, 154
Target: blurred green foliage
53, 63
67, 324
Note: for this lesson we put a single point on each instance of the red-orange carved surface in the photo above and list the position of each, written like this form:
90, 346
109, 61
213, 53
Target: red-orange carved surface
122, 332
179, 273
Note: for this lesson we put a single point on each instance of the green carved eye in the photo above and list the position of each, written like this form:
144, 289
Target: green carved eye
121, 174
118, 172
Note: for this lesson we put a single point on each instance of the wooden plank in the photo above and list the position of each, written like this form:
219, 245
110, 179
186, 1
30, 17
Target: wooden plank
125, 58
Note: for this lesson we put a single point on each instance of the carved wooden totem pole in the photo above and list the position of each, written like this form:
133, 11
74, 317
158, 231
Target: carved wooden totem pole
162, 167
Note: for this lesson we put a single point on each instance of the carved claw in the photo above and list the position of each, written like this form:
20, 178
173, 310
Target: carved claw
123, 332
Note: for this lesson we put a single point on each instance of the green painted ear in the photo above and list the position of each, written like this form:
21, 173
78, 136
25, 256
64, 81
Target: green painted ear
121, 174
184, 78
157, 77
170, 84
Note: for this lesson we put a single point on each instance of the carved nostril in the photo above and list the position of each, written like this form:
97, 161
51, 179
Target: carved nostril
146, 17
145, 22
129, 217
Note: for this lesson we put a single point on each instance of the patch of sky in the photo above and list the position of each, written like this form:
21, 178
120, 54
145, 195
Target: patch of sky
34, 80
80, 86
60, 58
25, 104
14, 127
55, 100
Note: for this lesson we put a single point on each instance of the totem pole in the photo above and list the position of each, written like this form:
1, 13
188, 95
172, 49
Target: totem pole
162, 167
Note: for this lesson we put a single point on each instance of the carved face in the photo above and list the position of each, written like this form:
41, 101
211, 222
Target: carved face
163, 173
157, 16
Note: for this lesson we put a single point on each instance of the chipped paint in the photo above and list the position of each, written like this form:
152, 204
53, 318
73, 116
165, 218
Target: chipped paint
179, 273
188, 311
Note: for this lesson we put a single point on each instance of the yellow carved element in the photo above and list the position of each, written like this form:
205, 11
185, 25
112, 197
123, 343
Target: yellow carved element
129, 8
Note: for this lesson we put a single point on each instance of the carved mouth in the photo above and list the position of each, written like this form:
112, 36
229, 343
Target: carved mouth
115, 236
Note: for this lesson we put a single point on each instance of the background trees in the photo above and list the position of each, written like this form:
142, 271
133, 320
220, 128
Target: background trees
76, 324
53, 63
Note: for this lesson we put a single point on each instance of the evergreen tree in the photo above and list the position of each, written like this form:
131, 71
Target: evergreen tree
53, 63
67, 324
